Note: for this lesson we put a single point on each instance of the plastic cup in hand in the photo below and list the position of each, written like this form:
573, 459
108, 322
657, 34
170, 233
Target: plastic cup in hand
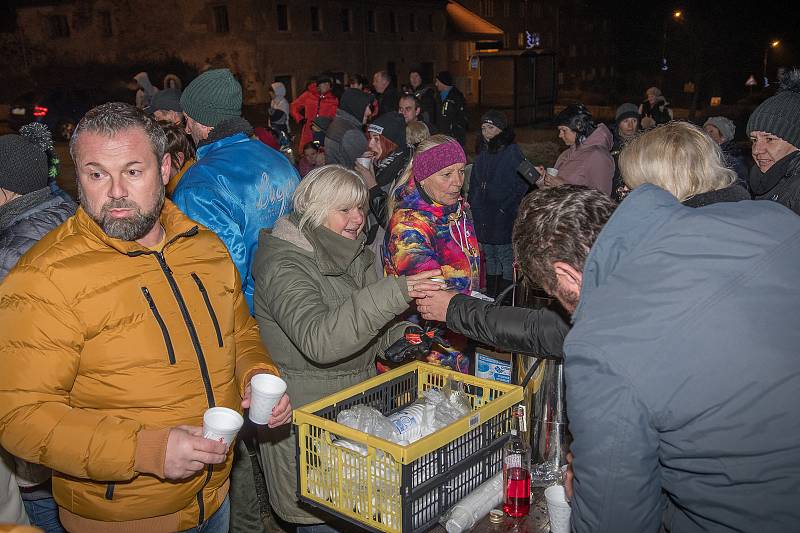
558, 509
365, 162
266, 390
221, 424
552, 171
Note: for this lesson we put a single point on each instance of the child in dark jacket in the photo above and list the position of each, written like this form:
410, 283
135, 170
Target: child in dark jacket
494, 195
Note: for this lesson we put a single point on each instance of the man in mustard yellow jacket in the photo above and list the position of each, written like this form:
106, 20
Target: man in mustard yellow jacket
119, 329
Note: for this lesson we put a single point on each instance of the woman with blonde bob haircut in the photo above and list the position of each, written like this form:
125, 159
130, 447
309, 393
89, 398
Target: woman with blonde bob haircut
323, 312
682, 159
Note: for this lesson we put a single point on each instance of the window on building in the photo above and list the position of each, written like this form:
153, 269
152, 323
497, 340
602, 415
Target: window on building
507, 8
57, 26
371, 22
487, 8
412, 22
106, 29
221, 19
523, 10
393, 22
346, 19
282, 12
316, 22
537, 10
431, 25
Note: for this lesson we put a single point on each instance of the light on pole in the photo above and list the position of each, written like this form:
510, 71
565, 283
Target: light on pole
677, 16
774, 44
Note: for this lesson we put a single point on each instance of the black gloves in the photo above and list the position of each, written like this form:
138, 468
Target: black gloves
415, 342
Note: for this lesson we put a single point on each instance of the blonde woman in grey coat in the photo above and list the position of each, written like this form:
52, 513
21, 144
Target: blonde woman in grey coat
323, 312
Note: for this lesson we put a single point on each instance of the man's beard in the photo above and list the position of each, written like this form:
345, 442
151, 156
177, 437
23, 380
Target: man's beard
131, 228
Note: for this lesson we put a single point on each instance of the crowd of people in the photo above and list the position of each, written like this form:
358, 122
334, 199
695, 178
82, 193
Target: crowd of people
201, 252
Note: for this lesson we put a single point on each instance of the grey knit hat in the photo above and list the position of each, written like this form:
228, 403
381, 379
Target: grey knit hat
24, 164
212, 97
780, 114
627, 110
166, 100
725, 126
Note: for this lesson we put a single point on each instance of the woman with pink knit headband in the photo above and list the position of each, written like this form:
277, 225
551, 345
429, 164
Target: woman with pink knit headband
430, 227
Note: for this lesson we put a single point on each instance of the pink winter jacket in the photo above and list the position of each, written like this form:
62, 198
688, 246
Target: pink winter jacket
589, 164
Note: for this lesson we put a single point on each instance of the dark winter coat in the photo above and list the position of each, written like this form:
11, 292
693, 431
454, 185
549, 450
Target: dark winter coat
735, 160
513, 329
682, 375
388, 101
780, 184
25, 220
660, 112
345, 140
451, 118
496, 189
427, 99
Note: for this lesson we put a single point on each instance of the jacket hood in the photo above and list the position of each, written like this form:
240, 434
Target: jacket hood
354, 102
279, 89
333, 253
642, 213
601, 136
143, 79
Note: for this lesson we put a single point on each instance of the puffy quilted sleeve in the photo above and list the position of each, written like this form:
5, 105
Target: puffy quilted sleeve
251, 355
40, 345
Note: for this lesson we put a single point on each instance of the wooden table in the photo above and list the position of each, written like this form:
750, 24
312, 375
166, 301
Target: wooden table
536, 522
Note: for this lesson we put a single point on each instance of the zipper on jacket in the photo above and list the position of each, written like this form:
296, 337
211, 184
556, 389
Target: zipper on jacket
161, 324
211, 312
198, 349
110, 490
201, 505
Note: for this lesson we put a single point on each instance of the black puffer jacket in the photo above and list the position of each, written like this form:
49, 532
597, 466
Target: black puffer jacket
513, 329
25, 220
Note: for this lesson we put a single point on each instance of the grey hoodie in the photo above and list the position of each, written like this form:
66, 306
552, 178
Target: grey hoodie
280, 103
682, 370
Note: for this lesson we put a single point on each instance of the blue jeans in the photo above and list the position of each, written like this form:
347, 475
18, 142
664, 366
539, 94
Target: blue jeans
217, 523
499, 260
44, 514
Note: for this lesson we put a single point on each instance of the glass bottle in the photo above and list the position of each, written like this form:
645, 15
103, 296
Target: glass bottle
516, 468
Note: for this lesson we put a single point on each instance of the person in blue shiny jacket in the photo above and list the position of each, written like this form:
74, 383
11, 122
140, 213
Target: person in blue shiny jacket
238, 184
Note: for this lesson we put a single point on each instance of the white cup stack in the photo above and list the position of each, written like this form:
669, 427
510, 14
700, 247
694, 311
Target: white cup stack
221, 424
558, 509
266, 390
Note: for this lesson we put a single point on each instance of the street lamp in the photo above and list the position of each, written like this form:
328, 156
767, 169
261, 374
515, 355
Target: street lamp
773, 44
677, 16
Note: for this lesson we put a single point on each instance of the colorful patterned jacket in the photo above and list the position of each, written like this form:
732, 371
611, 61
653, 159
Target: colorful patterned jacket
424, 235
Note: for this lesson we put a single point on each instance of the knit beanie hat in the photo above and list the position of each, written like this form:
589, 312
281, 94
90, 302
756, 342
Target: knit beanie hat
426, 164
445, 77
354, 102
627, 111
780, 114
212, 97
24, 163
391, 125
725, 126
166, 100
495, 118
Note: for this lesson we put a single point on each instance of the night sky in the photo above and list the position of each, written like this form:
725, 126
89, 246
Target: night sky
732, 36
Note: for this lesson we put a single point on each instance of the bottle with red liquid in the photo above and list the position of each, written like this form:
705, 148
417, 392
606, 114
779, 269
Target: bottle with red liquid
517, 468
